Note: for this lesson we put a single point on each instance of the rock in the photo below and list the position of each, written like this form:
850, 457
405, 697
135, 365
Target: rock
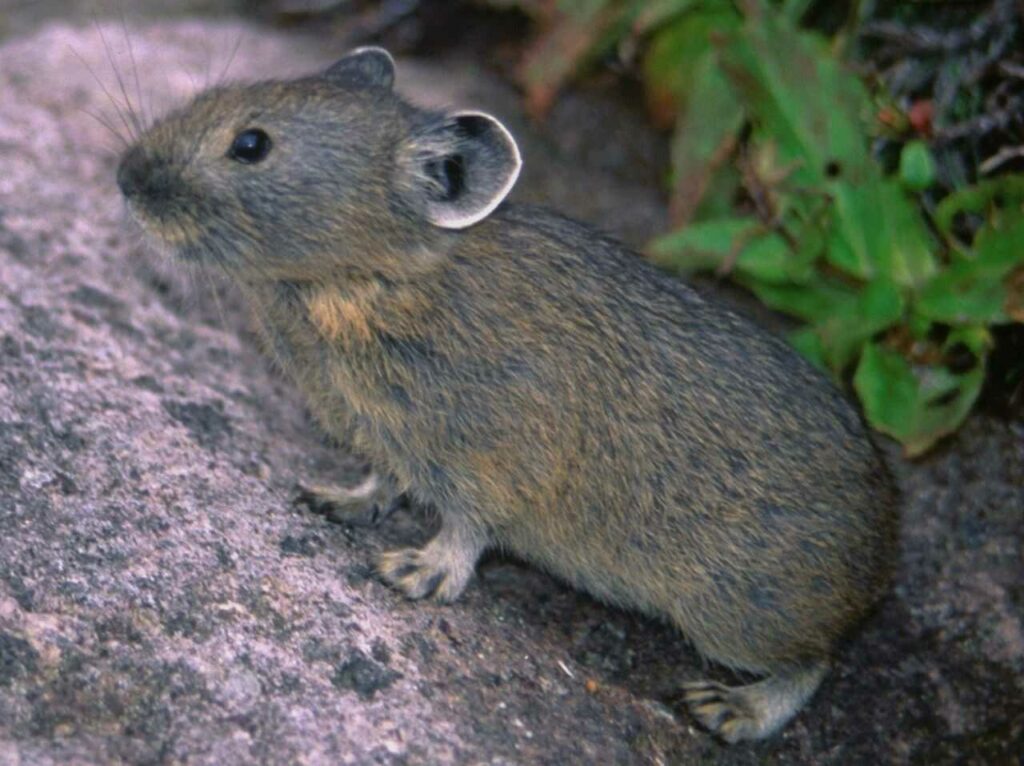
163, 599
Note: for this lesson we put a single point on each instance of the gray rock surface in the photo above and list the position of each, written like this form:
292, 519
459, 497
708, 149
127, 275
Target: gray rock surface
164, 600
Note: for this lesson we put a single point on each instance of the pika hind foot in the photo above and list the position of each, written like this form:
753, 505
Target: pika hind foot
441, 569
754, 711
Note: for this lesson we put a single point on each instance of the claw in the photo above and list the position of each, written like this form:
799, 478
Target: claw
756, 710
355, 506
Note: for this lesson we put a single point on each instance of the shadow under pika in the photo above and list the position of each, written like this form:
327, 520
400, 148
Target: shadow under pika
633, 658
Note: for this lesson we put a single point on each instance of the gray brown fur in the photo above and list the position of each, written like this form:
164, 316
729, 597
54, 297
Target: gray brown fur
546, 390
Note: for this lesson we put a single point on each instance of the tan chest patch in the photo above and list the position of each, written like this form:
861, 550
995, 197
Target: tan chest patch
339, 317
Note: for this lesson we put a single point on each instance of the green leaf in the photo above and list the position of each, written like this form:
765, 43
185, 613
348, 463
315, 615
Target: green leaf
741, 243
919, 326
977, 338
802, 97
718, 197
973, 289
812, 302
706, 127
888, 389
909, 258
810, 225
917, 167
852, 322
1000, 248
958, 295
916, 406
1004, 191
656, 13
795, 9
851, 246
769, 259
879, 233
703, 245
808, 343
676, 51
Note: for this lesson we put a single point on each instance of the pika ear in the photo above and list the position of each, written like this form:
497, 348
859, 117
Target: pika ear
367, 67
457, 170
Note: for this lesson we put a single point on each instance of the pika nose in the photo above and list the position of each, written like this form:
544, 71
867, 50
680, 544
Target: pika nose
132, 171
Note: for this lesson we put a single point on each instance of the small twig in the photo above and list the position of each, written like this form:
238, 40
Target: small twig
1011, 70
924, 40
983, 124
1001, 157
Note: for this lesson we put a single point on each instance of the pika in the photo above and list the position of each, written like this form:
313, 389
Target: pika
545, 389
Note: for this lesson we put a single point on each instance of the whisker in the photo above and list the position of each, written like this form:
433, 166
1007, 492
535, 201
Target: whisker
214, 290
231, 58
192, 81
207, 62
135, 68
120, 83
113, 101
102, 121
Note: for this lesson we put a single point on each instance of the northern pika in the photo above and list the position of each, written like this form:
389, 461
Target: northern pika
545, 389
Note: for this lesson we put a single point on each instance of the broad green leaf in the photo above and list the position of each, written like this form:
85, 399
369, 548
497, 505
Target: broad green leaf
1000, 249
919, 326
812, 302
973, 289
801, 95
916, 406
705, 128
909, 260
888, 389
1007, 190
809, 224
795, 9
719, 196
879, 233
658, 12
742, 242
917, 167
878, 307
976, 337
942, 414
959, 296
703, 245
851, 244
808, 343
677, 51
769, 259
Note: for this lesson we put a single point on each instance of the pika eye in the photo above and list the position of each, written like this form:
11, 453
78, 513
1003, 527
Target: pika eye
250, 146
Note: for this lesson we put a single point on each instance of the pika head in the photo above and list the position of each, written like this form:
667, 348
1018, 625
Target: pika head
333, 172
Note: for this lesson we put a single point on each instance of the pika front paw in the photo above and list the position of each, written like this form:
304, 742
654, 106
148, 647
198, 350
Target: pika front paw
421, 573
364, 505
